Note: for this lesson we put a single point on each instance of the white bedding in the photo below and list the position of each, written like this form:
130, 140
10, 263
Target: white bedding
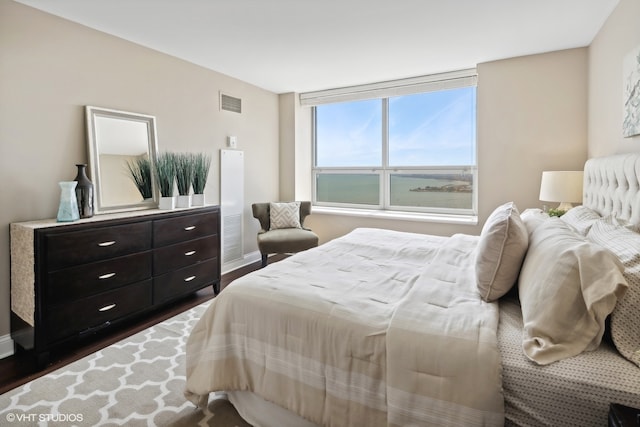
374, 328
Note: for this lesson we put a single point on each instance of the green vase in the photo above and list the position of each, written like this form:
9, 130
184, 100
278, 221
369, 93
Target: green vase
68, 208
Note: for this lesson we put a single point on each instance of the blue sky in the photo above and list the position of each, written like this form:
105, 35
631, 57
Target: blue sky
433, 129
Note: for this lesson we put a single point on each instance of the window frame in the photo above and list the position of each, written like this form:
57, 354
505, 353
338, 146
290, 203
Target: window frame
384, 91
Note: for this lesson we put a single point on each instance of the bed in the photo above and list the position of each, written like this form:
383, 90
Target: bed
385, 328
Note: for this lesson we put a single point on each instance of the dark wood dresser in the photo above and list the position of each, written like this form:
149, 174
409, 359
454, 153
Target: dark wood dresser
69, 280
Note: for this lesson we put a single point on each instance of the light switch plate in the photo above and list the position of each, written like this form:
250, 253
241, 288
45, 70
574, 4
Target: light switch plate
232, 141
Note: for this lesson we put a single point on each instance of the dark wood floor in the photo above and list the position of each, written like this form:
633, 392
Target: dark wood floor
20, 368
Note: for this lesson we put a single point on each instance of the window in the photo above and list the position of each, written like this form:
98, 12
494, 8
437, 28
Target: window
413, 148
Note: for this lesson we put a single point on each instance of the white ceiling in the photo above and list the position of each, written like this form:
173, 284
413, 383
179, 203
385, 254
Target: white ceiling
305, 45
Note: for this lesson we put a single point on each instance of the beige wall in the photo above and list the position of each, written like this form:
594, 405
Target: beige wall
50, 68
532, 116
618, 36
295, 149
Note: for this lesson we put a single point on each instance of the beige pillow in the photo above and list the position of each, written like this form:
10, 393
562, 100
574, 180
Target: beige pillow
625, 319
284, 215
501, 249
567, 287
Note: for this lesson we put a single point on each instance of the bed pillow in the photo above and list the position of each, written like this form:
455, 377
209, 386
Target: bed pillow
501, 249
625, 319
284, 215
581, 218
567, 286
532, 218
619, 222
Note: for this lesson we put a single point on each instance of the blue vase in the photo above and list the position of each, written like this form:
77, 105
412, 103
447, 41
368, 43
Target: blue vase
68, 209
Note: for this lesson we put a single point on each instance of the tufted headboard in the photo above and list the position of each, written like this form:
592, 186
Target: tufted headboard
611, 186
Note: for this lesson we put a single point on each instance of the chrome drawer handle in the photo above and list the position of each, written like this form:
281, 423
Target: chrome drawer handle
189, 253
190, 278
107, 276
105, 244
189, 228
107, 307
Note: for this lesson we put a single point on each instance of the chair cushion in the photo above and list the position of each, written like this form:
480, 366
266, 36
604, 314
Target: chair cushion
285, 215
286, 240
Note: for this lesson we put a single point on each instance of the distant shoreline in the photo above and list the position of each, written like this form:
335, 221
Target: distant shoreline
449, 188
463, 183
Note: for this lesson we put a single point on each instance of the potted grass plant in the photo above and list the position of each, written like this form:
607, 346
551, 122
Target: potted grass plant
140, 172
165, 171
201, 164
184, 176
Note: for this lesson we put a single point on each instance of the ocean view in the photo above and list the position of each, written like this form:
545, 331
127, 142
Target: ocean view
406, 190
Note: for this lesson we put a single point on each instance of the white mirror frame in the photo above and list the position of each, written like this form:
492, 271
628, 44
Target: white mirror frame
98, 175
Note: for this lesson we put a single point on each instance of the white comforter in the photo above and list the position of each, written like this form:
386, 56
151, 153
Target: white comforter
376, 328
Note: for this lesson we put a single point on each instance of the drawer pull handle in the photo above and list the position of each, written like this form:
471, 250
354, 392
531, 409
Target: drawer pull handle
105, 244
190, 278
107, 276
189, 253
189, 228
107, 307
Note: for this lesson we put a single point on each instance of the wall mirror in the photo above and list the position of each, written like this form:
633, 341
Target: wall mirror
121, 144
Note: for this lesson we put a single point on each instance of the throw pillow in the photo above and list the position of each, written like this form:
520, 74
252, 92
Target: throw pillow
567, 286
501, 249
284, 215
625, 319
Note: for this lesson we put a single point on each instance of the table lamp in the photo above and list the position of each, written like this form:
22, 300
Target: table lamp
564, 187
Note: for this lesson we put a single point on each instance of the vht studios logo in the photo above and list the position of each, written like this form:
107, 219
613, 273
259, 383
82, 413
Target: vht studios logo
43, 418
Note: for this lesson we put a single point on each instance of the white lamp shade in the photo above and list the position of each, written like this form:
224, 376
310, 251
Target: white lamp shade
561, 186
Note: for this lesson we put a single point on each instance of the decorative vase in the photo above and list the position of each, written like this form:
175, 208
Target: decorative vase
197, 200
184, 201
68, 209
167, 203
84, 192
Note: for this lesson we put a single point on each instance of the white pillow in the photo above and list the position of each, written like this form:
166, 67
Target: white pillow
501, 249
581, 218
284, 215
625, 319
567, 287
532, 218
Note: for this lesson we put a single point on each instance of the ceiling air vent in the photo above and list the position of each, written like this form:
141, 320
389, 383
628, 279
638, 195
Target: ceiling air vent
229, 103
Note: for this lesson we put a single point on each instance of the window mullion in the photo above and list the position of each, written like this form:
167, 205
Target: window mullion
385, 184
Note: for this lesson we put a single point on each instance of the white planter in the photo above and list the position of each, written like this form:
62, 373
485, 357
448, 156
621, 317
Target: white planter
197, 200
184, 201
167, 203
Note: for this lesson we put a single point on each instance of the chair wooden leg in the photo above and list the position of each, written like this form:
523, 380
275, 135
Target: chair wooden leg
264, 260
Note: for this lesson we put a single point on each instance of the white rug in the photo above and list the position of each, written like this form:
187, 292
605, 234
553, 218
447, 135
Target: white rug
138, 381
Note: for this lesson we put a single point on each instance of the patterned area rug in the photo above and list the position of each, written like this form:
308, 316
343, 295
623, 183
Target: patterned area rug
138, 381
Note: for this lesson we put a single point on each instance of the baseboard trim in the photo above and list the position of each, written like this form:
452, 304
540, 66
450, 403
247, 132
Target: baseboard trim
6, 346
247, 259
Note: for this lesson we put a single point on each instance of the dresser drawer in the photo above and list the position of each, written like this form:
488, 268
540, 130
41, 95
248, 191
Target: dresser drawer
79, 247
184, 281
181, 255
175, 230
96, 311
89, 279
